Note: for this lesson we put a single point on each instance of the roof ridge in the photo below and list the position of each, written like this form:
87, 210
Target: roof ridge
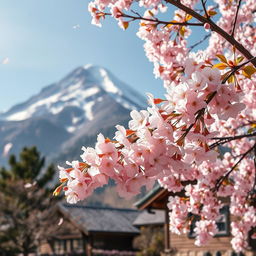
98, 207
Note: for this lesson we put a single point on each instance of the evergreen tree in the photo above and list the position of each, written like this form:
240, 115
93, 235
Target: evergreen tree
26, 206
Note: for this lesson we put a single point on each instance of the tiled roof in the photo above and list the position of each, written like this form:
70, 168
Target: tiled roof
154, 217
101, 219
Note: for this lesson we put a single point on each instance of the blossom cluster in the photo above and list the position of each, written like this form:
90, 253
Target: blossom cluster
172, 141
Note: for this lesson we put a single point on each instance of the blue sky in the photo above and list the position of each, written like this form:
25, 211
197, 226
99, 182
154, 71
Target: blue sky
42, 46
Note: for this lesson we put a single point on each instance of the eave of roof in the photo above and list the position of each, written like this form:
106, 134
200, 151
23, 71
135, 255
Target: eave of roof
150, 218
66, 214
157, 198
91, 219
149, 197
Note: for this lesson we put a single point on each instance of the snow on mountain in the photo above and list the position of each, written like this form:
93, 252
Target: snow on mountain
81, 89
68, 114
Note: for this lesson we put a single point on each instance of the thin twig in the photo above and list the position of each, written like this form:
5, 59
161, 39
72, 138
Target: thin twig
205, 10
199, 42
236, 68
216, 28
198, 114
223, 140
219, 182
156, 21
234, 25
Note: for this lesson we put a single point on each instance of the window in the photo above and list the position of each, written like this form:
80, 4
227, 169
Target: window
222, 223
218, 253
207, 254
62, 246
59, 246
78, 245
237, 254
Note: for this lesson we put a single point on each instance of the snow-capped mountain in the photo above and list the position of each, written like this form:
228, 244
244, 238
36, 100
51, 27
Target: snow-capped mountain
88, 100
78, 92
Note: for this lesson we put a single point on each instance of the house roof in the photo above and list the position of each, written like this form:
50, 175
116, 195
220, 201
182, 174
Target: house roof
100, 219
154, 217
157, 198
154, 199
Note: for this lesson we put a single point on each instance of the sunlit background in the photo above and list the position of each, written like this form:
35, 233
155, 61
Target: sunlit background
42, 41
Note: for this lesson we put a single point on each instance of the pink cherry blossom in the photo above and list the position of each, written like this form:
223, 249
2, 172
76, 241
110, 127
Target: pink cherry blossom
209, 107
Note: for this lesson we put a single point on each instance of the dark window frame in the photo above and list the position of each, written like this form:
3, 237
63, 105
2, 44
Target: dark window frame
224, 213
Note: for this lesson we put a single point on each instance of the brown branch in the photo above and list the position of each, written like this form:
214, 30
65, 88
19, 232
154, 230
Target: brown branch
157, 21
199, 42
235, 137
198, 114
219, 181
205, 10
214, 27
234, 25
236, 68
201, 112
223, 140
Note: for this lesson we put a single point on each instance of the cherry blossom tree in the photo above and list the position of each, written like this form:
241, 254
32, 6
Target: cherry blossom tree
200, 138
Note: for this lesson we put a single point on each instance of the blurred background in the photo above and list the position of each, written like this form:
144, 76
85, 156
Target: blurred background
62, 82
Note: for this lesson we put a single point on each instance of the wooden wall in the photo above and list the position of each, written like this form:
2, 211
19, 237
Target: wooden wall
184, 246
182, 242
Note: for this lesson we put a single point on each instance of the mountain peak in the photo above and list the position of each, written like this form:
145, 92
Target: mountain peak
93, 73
80, 89
70, 113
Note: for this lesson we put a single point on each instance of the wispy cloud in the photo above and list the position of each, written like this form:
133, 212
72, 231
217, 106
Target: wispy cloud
5, 61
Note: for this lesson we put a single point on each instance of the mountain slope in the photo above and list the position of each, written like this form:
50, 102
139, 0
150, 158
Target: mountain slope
68, 114
79, 89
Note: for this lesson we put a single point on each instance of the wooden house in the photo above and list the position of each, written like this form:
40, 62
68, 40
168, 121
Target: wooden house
87, 230
183, 245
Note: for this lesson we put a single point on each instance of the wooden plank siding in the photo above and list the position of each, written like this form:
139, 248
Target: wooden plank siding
182, 242
182, 245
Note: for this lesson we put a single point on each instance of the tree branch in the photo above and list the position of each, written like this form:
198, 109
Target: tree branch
157, 21
205, 10
199, 42
237, 10
215, 28
198, 114
219, 182
223, 140
236, 68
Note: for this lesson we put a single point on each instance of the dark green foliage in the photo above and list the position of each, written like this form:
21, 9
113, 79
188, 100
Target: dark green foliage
26, 204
